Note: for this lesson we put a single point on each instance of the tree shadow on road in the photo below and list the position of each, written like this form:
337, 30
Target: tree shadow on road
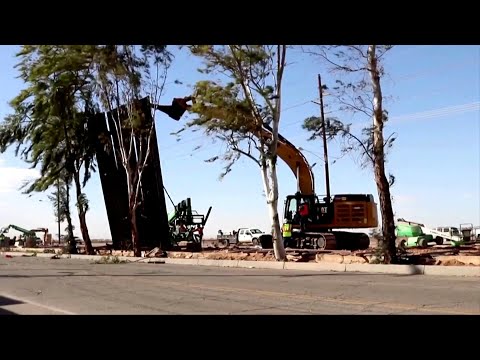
5, 301
6, 312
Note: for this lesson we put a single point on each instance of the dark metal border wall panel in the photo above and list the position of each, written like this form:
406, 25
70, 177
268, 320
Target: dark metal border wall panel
154, 217
117, 190
113, 181
160, 206
152, 214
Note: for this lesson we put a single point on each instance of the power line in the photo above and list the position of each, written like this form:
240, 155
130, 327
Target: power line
421, 115
402, 78
436, 69
429, 114
297, 105
407, 77
449, 110
439, 112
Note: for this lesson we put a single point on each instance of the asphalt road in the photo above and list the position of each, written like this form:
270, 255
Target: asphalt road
44, 286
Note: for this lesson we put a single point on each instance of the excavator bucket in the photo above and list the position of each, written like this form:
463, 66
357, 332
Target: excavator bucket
176, 110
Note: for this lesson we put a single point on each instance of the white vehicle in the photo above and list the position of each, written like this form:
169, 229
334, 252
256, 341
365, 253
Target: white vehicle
442, 233
246, 235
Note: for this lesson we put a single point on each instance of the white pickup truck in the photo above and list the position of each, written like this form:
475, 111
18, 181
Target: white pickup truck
245, 235
250, 235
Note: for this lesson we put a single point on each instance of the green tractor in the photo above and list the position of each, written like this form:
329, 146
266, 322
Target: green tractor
28, 238
186, 226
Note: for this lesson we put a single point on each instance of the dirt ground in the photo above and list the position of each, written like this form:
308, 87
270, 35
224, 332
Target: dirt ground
444, 255
437, 255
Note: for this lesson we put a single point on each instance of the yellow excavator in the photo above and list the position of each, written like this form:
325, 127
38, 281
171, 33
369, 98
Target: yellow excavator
327, 216
320, 228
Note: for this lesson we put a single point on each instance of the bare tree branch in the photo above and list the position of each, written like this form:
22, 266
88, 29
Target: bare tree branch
337, 66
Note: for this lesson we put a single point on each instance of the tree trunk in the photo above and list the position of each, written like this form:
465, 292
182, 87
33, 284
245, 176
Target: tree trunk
71, 243
270, 185
388, 223
82, 216
68, 214
278, 248
132, 208
135, 239
383, 187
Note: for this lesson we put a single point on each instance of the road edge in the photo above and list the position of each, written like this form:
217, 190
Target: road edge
430, 270
29, 307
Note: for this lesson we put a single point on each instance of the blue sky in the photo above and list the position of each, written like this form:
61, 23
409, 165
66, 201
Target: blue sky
435, 110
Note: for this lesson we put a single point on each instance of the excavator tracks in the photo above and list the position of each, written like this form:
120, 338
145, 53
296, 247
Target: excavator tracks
351, 241
320, 241
328, 241
336, 240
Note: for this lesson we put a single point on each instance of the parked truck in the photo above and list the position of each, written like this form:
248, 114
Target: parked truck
246, 236
445, 233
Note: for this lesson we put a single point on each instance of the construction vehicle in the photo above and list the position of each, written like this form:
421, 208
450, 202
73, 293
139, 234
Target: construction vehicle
410, 234
245, 235
186, 225
28, 237
475, 234
469, 232
456, 236
46, 236
326, 213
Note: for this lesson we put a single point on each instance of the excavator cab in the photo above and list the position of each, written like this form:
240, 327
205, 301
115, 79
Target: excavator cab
319, 211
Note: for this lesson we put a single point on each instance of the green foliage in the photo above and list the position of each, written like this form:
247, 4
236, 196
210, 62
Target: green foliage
333, 127
82, 202
123, 72
110, 259
48, 120
65, 85
48, 124
221, 109
235, 110
60, 202
362, 144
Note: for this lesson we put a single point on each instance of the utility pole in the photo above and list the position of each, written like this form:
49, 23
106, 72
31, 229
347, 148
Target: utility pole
324, 133
58, 210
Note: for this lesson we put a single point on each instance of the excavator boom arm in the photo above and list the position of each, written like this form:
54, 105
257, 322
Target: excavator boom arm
18, 228
286, 151
295, 160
